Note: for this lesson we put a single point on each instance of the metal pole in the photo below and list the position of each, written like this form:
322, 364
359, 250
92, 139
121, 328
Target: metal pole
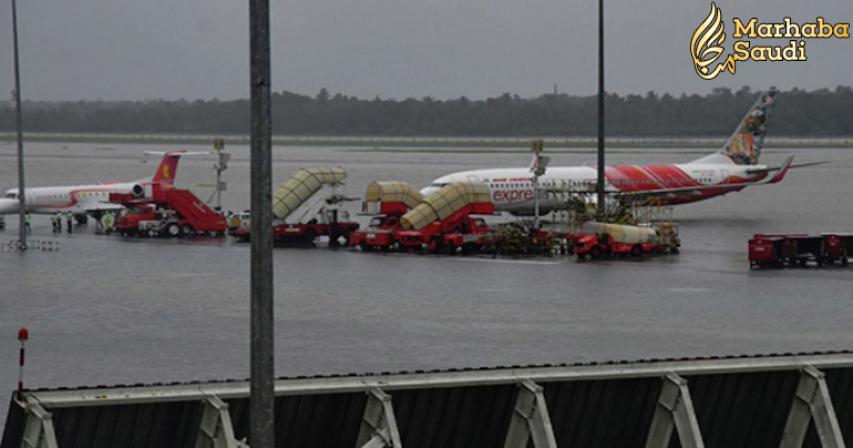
217, 146
536, 200
536, 147
600, 184
218, 189
22, 224
261, 400
23, 335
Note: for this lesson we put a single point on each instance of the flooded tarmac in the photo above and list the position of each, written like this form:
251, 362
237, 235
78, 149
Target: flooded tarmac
106, 310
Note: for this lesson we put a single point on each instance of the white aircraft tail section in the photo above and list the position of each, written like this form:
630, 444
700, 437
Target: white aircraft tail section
745, 144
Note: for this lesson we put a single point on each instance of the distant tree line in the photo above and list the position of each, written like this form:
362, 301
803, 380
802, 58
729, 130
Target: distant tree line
821, 112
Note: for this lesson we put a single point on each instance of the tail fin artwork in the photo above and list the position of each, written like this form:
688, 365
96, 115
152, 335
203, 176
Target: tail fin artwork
168, 168
744, 145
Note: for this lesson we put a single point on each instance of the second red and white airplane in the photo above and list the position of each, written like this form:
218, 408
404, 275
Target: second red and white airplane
732, 168
82, 200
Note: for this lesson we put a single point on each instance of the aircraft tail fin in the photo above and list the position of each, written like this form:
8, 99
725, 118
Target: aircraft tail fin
168, 168
745, 144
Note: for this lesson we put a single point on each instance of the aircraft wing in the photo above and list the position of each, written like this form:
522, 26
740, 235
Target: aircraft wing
178, 153
104, 207
777, 168
782, 171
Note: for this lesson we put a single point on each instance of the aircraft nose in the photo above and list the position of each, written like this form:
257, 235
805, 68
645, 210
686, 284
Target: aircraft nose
8, 206
428, 191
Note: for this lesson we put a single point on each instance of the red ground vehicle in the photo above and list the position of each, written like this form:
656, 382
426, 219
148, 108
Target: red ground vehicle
302, 213
167, 212
790, 249
838, 247
597, 240
766, 251
459, 231
380, 233
799, 249
596, 247
333, 223
442, 222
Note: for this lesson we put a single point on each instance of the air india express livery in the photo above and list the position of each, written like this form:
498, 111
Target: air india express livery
93, 199
732, 168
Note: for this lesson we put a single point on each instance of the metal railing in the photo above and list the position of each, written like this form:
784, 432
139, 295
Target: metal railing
685, 398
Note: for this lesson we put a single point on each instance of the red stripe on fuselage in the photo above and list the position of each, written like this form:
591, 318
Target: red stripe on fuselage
648, 177
633, 178
670, 176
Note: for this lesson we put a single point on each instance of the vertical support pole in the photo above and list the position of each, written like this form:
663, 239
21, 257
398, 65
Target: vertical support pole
674, 410
261, 401
216, 430
530, 419
812, 401
19, 123
218, 144
536, 200
378, 423
538, 170
600, 184
23, 336
38, 430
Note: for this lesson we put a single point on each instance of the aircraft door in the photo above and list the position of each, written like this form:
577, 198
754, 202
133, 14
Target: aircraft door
31, 200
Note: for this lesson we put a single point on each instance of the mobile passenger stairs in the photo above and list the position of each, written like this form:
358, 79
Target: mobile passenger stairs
447, 221
306, 206
166, 212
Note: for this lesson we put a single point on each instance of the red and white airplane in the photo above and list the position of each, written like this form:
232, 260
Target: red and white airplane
732, 168
82, 200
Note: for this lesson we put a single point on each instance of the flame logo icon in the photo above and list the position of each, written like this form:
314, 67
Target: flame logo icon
167, 173
706, 46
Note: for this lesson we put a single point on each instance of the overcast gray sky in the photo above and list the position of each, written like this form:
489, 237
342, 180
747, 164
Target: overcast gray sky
146, 49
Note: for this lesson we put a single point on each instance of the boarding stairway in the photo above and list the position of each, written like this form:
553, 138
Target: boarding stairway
201, 217
456, 199
192, 210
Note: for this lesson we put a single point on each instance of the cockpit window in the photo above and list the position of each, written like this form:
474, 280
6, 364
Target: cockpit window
12, 195
437, 184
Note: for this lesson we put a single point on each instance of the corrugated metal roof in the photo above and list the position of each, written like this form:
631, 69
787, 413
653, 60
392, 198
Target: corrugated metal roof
735, 407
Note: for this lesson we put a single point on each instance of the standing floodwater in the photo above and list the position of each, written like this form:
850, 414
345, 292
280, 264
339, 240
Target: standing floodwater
104, 310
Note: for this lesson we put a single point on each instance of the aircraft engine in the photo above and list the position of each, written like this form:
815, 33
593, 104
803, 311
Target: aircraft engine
138, 191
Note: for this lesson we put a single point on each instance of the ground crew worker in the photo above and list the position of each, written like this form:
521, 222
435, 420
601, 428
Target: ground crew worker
28, 221
55, 222
68, 221
107, 220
